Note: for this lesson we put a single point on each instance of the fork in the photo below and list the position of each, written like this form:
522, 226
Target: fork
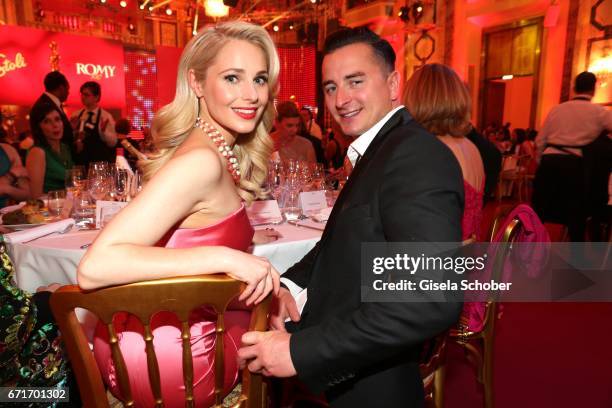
63, 231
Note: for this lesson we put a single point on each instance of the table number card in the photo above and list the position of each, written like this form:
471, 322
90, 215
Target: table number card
264, 212
312, 201
102, 204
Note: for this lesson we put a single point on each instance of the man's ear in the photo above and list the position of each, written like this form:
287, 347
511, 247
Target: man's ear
393, 82
194, 84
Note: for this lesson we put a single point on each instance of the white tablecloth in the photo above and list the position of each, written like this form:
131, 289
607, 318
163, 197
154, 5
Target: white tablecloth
54, 259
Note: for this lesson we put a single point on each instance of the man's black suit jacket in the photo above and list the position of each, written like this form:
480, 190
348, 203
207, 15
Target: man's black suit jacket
407, 187
44, 99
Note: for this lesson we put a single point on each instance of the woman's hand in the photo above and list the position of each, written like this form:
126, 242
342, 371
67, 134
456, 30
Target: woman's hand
266, 235
257, 272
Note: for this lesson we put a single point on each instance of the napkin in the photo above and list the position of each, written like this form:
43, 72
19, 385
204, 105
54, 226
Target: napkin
37, 232
322, 215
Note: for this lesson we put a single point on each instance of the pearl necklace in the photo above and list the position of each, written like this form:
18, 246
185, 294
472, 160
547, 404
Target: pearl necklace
217, 138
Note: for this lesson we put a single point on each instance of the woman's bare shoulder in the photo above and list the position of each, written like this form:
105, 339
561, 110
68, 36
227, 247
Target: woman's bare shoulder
197, 163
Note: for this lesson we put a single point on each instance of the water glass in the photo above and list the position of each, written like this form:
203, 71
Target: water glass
55, 203
84, 211
291, 203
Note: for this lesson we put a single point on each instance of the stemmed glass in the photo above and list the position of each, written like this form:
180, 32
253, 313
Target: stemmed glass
135, 184
99, 180
55, 203
121, 184
75, 179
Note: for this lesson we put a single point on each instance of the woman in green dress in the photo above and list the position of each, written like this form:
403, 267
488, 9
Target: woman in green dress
49, 158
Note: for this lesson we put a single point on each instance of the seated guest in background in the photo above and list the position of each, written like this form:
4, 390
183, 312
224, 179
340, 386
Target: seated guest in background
31, 353
335, 150
56, 92
440, 102
14, 180
94, 127
190, 217
406, 186
49, 159
286, 139
312, 128
316, 143
491, 160
560, 184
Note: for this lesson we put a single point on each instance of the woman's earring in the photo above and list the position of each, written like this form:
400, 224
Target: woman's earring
199, 120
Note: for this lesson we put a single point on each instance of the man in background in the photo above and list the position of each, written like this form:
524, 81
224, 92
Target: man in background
94, 126
56, 92
560, 186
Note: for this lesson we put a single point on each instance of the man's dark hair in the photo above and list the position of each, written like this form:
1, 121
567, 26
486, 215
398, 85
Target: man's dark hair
93, 86
348, 36
585, 82
287, 109
54, 80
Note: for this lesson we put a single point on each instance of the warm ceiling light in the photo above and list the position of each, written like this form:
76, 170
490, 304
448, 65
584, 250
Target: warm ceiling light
102, 1
313, 1
123, 3
168, 11
291, 27
275, 28
215, 8
507, 77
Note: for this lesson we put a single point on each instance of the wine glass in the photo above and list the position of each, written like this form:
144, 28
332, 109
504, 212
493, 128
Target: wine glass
99, 180
136, 184
121, 184
75, 179
56, 200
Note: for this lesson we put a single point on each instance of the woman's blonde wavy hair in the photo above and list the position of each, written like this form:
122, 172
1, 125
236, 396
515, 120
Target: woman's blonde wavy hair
173, 123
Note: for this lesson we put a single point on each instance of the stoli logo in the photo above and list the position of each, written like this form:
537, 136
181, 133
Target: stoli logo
95, 71
6, 65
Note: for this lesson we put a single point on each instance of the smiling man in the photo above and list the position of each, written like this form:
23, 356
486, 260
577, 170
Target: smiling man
406, 186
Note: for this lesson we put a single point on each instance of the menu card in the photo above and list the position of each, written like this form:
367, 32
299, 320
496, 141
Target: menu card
264, 212
312, 201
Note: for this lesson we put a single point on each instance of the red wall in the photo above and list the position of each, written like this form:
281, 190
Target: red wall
80, 57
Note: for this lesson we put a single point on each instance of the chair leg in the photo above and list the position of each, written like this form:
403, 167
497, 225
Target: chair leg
438, 386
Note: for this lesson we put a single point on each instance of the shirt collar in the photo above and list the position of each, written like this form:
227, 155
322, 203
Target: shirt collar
360, 145
55, 99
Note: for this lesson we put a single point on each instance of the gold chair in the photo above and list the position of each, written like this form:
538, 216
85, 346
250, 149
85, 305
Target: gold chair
432, 362
513, 174
483, 357
178, 295
433, 372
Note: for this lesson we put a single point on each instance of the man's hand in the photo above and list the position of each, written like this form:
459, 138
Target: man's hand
283, 306
267, 353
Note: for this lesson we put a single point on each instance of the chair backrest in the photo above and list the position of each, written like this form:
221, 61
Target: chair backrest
178, 295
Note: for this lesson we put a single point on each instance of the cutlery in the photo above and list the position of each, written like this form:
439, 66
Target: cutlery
297, 224
85, 246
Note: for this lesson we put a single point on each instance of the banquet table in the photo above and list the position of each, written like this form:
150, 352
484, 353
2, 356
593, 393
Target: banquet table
54, 259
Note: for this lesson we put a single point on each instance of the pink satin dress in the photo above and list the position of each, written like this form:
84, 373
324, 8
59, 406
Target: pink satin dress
234, 231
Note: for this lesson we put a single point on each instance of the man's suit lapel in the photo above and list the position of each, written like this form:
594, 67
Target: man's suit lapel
401, 117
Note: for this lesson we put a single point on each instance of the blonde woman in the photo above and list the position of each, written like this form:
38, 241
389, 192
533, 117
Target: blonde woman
190, 217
